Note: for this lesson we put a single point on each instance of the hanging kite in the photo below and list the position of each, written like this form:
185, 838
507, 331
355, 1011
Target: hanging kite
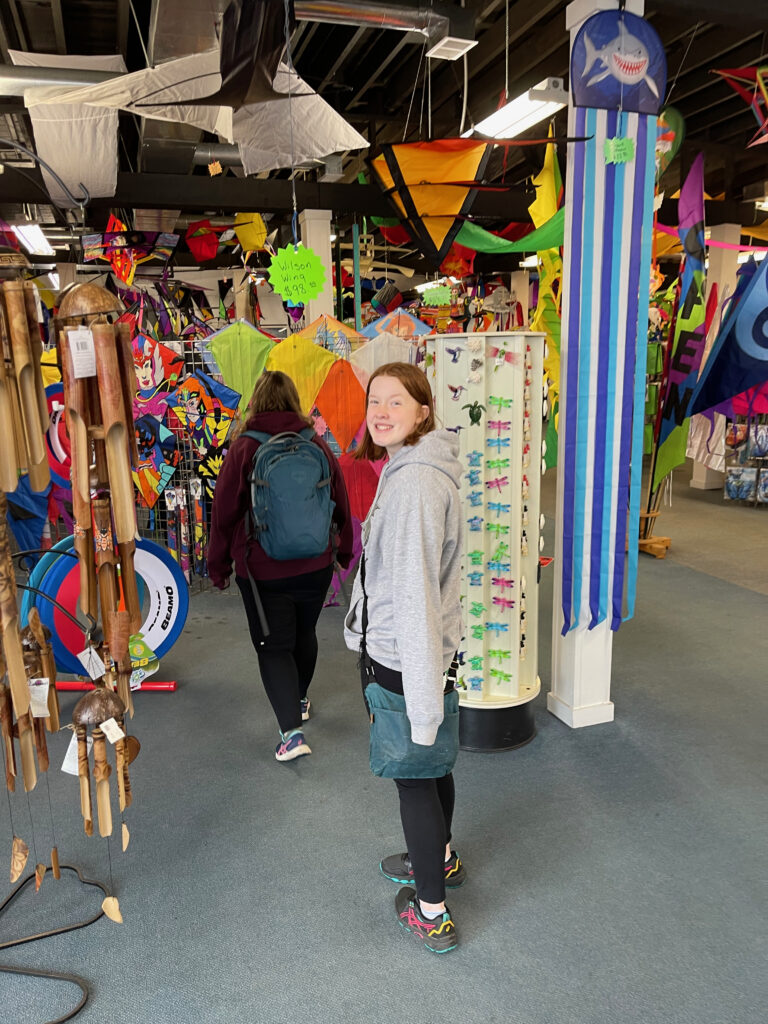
332, 335
205, 410
124, 249
241, 352
305, 363
752, 85
433, 186
158, 458
158, 369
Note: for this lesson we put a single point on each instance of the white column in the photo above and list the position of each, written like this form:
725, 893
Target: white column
723, 265
315, 228
581, 660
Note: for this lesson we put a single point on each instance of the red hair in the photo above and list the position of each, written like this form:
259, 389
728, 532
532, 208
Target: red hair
416, 384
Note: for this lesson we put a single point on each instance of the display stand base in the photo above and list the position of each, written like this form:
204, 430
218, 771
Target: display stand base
492, 729
656, 546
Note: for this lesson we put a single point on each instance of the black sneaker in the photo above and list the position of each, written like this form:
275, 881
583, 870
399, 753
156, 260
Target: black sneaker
439, 936
398, 868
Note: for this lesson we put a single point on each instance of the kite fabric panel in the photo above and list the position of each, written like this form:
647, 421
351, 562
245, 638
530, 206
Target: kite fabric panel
546, 317
548, 236
751, 83
399, 322
341, 403
285, 132
164, 93
158, 458
205, 409
158, 369
431, 185
738, 361
80, 143
690, 333
604, 340
385, 348
333, 335
241, 352
305, 363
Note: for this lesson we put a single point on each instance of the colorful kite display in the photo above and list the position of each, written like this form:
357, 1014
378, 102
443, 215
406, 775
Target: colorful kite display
158, 369
690, 334
124, 250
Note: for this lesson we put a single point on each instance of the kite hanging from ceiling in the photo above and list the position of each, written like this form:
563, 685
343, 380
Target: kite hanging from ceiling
752, 85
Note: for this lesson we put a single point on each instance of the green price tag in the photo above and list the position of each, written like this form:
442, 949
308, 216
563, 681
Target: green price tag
296, 274
619, 151
438, 296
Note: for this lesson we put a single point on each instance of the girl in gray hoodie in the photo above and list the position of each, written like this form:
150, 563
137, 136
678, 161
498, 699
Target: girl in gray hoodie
412, 544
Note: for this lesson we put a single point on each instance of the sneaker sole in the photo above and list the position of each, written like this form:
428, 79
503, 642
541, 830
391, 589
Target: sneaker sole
297, 752
409, 881
305, 716
448, 949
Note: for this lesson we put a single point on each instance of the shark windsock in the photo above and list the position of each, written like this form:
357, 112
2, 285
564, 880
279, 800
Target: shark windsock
617, 74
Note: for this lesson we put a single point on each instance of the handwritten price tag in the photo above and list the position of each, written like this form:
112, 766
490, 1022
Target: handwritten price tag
297, 274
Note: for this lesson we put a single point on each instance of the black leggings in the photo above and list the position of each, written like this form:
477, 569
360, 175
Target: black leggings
426, 811
288, 656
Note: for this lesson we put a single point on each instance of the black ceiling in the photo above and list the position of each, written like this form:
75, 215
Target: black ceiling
378, 80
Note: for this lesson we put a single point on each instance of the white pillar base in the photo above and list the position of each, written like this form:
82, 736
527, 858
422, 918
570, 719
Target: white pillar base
589, 714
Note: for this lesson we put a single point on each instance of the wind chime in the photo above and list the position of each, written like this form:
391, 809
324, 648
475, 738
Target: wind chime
99, 386
27, 667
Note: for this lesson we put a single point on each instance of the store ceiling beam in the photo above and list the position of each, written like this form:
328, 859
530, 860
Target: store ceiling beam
121, 27
200, 192
58, 26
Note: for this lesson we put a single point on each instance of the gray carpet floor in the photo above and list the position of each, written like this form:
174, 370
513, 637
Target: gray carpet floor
616, 873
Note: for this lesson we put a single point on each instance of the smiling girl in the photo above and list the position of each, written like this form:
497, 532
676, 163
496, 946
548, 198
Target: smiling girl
410, 588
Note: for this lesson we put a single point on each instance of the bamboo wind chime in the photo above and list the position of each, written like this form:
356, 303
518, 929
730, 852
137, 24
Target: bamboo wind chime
99, 387
23, 422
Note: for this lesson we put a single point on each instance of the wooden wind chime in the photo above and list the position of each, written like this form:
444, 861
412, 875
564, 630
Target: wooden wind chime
99, 387
25, 654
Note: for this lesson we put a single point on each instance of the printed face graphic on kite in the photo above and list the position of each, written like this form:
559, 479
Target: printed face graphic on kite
625, 58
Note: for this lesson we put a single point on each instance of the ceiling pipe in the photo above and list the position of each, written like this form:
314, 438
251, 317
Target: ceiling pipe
14, 80
425, 20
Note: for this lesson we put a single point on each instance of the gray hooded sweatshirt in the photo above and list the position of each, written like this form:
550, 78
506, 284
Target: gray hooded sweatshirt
412, 542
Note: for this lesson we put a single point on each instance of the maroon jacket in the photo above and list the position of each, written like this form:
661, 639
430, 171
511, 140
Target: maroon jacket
232, 501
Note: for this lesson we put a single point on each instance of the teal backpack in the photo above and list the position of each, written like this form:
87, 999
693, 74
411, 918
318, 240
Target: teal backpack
291, 505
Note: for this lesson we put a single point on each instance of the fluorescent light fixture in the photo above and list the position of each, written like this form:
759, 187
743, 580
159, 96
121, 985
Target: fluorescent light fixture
529, 263
33, 240
762, 204
525, 110
743, 257
451, 48
333, 238
421, 288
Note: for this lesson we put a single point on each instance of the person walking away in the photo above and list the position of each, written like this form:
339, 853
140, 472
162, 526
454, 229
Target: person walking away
405, 619
290, 590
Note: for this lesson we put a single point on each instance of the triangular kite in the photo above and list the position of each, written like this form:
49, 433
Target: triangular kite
433, 186
241, 352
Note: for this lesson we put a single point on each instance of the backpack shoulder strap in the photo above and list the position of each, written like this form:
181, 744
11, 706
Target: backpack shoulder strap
257, 435
307, 433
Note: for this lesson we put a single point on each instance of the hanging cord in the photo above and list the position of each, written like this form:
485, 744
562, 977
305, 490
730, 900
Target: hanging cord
291, 69
413, 91
506, 50
429, 98
682, 62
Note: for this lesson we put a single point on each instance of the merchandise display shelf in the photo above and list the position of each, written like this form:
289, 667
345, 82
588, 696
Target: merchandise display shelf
489, 389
